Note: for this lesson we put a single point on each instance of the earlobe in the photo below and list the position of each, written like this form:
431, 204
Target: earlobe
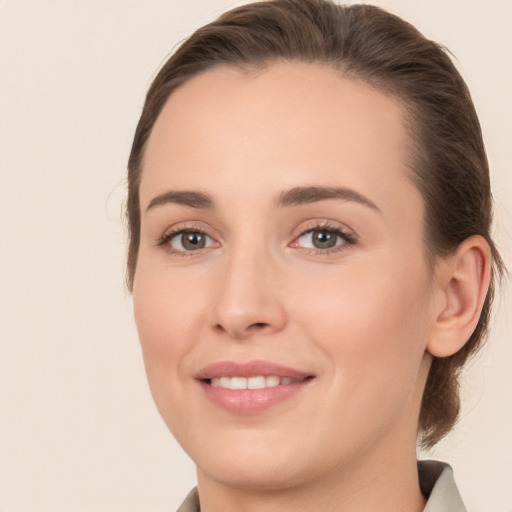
462, 281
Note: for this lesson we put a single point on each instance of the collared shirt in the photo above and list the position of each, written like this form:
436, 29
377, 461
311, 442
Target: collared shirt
436, 483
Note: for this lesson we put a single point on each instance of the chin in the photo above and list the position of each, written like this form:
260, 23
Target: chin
252, 463
257, 462
251, 475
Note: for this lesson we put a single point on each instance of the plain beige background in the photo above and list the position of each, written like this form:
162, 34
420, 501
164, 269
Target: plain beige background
78, 429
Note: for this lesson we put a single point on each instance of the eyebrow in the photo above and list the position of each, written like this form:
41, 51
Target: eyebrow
304, 195
293, 197
189, 198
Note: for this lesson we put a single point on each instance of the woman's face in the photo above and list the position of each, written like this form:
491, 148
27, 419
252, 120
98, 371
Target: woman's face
282, 250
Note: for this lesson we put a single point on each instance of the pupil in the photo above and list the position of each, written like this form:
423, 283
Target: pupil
324, 239
193, 241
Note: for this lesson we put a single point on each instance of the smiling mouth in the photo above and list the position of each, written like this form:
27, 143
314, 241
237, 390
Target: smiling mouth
256, 382
252, 387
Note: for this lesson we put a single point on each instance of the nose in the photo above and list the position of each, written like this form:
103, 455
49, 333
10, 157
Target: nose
248, 299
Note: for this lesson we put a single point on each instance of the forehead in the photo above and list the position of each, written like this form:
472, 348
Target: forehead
289, 122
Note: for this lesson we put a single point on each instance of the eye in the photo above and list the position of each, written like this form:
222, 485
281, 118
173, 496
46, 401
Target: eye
324, 238
187, 240
319, 239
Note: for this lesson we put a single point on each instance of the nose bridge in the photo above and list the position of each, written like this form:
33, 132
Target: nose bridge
247, 299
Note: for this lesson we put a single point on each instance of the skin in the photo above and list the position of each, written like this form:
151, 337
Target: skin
361, 316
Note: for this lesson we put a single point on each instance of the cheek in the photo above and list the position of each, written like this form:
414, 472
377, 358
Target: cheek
169, 321
167, 307
372, 323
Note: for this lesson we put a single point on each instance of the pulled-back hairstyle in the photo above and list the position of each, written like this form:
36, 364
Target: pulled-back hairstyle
448, 162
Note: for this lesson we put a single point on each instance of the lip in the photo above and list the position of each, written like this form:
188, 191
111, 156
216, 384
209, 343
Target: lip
251, 401
250, 369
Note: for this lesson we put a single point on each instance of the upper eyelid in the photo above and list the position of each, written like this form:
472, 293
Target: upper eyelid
327, 225
181, 227
344, 235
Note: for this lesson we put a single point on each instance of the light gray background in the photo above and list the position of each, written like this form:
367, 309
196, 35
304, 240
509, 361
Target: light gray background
78, 429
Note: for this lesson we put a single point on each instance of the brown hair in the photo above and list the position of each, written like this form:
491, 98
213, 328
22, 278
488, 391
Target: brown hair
449, 165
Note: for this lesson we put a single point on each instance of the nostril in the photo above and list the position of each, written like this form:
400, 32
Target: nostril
219, 328
258, 325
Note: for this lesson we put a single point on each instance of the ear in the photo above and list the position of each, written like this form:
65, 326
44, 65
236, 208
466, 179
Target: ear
461, 284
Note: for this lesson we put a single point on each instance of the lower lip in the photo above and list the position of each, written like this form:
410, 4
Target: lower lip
250, 401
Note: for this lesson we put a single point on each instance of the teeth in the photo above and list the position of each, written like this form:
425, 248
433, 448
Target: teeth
237, 383
271, 381
258, 382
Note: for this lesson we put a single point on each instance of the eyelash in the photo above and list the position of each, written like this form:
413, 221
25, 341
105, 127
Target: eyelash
348, 240
168, 236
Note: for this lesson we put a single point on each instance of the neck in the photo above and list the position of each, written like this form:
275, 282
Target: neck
388, 484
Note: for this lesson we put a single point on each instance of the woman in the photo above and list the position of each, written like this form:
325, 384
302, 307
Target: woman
310, 256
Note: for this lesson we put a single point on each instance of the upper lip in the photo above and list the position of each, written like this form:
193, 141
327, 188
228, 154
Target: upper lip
250, 369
